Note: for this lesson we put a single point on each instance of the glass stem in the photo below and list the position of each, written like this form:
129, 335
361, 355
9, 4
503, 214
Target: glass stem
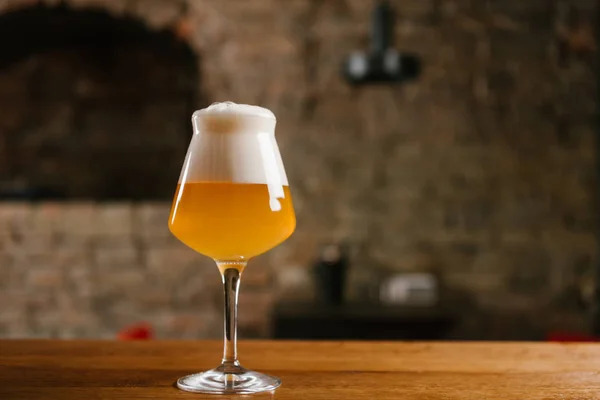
231, 273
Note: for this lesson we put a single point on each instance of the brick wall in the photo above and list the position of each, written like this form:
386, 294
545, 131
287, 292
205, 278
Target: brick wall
483, 170
90, 102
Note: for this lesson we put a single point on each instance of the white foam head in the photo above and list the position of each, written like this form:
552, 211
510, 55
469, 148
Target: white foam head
233, 109
234, 143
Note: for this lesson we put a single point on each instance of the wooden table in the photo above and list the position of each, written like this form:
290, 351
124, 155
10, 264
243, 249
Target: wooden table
310, 370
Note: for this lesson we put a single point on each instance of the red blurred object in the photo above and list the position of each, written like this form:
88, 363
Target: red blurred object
571, 337
140, 331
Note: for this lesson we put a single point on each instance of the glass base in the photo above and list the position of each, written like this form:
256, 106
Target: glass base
228, 380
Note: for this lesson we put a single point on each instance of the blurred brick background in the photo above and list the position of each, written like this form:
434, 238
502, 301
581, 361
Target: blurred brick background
483, 170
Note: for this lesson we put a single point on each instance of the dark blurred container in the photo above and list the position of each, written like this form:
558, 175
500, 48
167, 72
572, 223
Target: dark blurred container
330, 271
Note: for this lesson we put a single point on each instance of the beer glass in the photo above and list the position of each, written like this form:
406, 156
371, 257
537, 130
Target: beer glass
232, 203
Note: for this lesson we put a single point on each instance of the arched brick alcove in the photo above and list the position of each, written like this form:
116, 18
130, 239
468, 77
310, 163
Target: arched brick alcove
95, 105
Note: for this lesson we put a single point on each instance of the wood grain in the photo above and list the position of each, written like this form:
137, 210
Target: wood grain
322, 370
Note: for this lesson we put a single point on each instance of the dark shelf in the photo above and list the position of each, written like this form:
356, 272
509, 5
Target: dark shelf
360, 322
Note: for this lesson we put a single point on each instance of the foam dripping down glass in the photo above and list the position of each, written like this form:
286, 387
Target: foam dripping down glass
232, 203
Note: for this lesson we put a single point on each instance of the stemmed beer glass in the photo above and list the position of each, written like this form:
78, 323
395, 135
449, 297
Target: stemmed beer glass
232, 203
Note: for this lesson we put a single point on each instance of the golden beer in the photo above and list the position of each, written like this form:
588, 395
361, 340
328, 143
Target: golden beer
231, 221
